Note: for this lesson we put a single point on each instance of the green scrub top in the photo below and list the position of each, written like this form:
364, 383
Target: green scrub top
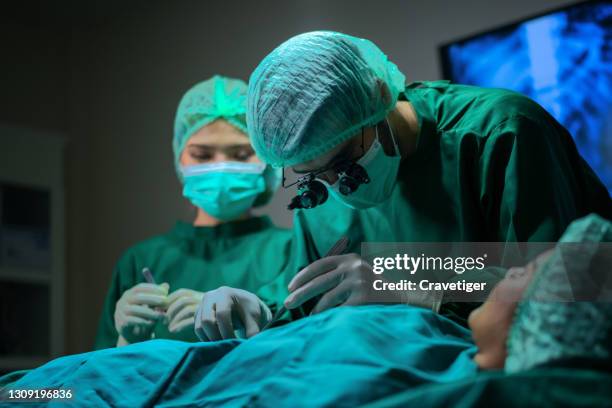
249, 254
491, 165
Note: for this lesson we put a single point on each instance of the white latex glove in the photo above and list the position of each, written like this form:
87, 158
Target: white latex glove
225, 311
182, 308
136, 314
347, 280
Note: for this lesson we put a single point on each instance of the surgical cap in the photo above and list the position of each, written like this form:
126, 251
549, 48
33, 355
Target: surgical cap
315, 91
552, 324
216, 98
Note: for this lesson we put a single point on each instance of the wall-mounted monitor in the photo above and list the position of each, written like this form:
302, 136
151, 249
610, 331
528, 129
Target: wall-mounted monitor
562, 59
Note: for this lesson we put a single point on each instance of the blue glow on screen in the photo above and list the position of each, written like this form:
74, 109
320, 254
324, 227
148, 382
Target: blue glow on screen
562, 61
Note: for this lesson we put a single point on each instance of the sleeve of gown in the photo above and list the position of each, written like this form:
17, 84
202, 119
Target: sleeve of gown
123, 279
532, 181
297, 252
532, 185
276, 263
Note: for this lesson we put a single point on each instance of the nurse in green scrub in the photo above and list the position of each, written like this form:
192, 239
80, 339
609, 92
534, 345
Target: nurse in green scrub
428, 161
225, 252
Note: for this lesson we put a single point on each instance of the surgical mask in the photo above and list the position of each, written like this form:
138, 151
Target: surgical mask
382, 171
224, 190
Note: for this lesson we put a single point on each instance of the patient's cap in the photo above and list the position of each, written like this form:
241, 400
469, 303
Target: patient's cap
566, 312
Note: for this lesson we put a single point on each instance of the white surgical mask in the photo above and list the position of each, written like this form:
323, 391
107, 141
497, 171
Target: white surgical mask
382, 171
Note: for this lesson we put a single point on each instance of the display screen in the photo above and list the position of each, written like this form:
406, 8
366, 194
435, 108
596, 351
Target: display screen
562, 60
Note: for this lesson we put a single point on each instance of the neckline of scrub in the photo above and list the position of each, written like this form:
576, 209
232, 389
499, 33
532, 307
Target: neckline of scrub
426, 121
226, 230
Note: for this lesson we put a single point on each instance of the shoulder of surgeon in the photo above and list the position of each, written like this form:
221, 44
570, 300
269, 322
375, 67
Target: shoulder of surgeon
484, 109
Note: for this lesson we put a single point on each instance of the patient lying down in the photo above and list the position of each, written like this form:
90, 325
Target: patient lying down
349, 356
555, 309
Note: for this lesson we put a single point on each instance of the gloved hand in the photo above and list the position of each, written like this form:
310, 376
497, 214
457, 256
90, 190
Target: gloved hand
135, 314
345, 280
225, 310
182, 307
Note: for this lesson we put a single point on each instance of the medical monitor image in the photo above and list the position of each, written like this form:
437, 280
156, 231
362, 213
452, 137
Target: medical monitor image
562, 60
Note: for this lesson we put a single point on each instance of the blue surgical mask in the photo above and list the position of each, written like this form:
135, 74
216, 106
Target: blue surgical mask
224, 190
382, 171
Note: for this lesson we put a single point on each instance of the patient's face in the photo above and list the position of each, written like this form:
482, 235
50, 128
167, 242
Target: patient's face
491, 322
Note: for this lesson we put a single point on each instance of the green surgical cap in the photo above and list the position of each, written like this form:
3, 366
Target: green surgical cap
315, 91
552, 324
216, 98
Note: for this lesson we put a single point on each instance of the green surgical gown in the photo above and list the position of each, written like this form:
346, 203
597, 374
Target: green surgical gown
249, 254
490, 166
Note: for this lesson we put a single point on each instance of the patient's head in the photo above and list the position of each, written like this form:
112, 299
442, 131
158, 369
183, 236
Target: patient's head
491, 322
557, 307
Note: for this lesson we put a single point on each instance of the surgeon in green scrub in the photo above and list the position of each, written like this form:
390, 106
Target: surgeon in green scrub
428, 161
226, 252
